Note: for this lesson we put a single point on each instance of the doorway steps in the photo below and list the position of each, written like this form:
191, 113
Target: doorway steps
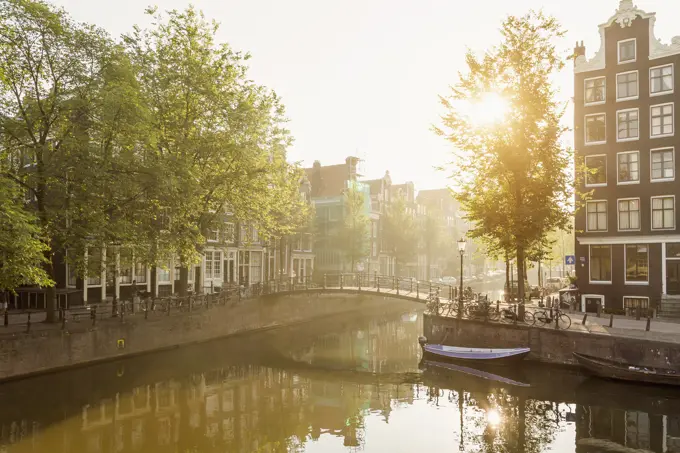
669, 307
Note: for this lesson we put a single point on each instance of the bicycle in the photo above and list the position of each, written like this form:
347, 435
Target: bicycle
563, 320
510, 315
433, 304
482, 310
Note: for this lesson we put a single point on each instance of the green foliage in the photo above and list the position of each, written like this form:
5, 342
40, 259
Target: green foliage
513, 176
400, 232
22, 252
354, 234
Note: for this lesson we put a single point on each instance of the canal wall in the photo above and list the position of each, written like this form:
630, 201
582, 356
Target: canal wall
25, 354
550, 345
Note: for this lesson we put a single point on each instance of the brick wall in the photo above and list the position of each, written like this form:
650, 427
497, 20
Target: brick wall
45, 351
550, 345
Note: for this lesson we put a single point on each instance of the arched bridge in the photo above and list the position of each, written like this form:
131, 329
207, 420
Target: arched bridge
362, 283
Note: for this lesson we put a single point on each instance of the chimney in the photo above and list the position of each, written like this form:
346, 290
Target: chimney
579, 50
315, 179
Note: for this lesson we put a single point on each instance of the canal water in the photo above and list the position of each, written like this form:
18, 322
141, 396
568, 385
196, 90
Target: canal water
350, 383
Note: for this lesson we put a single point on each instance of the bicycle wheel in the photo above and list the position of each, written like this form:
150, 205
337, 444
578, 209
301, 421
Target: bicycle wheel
492, 314
542, 317
529, 318
564, 321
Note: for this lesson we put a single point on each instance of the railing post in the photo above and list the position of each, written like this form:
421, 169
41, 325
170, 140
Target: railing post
342, 281
394, 282
63, 319
359, 283
411, 286
28, 324
377, 281
306, 283
417, 289
146, 309
397, 282
6, 317
324, 281
93, 315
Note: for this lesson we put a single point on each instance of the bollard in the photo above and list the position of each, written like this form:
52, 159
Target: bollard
611, 320
599, 310
191, 303
377, 282
394, 282
411, 287
649, 323
359, 283
28, 324
585, 316
498, 306
6, 318
637, 313
63, 319
168, 307
342, 281
93, 315
324, 281
146, 309
397, 288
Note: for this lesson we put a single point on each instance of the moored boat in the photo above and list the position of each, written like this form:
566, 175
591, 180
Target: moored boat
479, 355
476, 372
614, 369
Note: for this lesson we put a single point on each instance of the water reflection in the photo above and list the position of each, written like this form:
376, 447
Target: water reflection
349, 384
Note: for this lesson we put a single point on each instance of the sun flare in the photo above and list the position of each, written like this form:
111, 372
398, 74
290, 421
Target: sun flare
491, 108
493, 418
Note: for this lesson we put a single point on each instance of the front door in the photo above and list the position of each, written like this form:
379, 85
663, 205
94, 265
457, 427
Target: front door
592, 303
673, 277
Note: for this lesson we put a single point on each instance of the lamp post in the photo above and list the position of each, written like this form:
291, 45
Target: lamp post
461, 250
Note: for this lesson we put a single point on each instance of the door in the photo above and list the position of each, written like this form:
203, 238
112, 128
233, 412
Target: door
673, 277
592, 303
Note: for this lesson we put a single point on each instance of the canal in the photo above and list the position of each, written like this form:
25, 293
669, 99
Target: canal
349, 383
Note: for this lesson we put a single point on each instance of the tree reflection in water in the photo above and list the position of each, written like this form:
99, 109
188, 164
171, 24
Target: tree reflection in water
349, 386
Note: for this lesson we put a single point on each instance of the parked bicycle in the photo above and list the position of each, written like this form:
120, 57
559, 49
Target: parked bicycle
546, 317
481, 309
510, 315
434, 305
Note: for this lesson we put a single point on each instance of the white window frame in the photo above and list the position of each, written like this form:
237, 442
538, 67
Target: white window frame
629, 98
215, 233
650, 120
585, 129
623, 299
618, 215
606, 171
606, 215
626, 183
629, 139
651, 151
651, 213
230, 232
618, 51
585, 91
662, 93
590, 262
625, 266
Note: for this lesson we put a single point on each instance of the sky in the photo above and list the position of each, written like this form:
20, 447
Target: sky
363, 77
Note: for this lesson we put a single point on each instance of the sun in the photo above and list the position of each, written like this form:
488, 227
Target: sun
490, 109
493, 418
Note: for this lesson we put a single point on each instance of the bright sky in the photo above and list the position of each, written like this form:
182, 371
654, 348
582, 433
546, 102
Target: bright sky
362, 77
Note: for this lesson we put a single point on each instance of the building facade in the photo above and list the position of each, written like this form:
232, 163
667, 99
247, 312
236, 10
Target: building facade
627, 241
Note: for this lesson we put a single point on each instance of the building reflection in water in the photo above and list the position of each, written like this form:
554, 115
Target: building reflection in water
255, 407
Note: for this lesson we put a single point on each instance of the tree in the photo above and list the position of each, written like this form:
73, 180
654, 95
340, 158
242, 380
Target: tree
353, 235
64, 107
22, 250
400, 233
217, 138
513, 174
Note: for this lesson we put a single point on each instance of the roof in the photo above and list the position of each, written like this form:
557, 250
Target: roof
328, 181
375, 185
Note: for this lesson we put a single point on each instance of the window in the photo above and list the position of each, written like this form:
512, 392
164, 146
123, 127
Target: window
229, 232
631, 304
94, 266
600, 263
629, 214
662, 120
626, 85
255, 267
663, 164
596, 215
673, 250
140, 273
163, 274
627, 125
306, 242
626, 51
596, 129
374, 249
663, 213
628, 167
661, 80
125, 264
213, 236
637, 263
595, 90
596, 170
213, 264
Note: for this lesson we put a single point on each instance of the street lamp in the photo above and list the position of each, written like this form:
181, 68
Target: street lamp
461, 250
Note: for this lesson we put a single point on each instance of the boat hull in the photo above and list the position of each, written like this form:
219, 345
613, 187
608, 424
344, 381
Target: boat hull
474, 355
611, 369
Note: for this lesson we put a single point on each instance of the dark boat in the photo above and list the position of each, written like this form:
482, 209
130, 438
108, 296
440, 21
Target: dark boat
613, 369
476, 372
478, 355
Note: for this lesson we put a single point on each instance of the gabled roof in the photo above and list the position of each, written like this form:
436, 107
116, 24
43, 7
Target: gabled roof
328, 181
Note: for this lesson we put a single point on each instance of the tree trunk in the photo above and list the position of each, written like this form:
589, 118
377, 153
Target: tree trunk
520, 273
183, 281
51, 292
508, 293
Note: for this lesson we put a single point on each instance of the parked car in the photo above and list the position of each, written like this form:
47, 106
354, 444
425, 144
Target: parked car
535, 292
515, 288
451, 281
554, 283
